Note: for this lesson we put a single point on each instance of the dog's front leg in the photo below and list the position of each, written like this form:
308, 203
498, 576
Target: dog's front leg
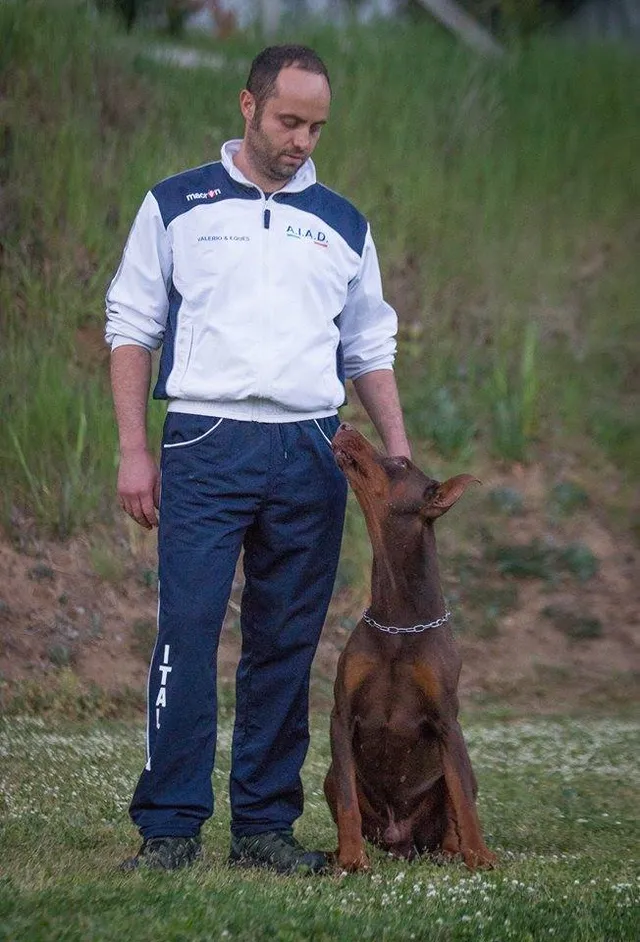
463, 825
342, 796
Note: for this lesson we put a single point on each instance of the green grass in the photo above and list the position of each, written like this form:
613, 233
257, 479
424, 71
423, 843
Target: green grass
503, 196
558, 801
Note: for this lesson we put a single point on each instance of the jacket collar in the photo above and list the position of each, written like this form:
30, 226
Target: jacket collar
305, 176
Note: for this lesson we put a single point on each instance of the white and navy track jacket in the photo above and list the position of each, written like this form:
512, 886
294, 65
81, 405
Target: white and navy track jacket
263, 305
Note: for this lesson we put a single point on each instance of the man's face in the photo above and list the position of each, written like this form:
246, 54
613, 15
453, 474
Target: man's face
280, 137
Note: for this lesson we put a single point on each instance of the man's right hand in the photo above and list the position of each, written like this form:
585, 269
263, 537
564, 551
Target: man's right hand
139, 487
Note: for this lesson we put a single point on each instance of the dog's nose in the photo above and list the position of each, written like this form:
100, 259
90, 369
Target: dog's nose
345, 427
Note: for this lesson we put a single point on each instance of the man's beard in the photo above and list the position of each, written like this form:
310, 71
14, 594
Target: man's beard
265, 158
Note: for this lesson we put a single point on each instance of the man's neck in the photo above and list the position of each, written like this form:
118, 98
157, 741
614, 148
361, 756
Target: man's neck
244, 165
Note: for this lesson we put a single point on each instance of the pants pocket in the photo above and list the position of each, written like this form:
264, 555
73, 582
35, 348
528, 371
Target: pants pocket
183, 431
327, 427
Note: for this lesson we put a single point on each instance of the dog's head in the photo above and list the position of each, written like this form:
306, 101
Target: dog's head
392, 486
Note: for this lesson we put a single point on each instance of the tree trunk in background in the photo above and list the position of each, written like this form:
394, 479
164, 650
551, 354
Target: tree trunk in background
270, 12
613, 19
455, 18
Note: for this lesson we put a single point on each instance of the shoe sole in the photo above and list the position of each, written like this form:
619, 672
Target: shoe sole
139, 863
248, 863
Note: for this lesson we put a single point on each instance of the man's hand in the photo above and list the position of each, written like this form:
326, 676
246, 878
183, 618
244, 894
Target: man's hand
139, 487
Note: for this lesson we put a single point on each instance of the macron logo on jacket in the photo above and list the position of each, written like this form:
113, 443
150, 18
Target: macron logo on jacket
210, 194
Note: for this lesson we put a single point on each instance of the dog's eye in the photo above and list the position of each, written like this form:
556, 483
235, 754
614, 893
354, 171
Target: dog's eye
430, 491
393, 465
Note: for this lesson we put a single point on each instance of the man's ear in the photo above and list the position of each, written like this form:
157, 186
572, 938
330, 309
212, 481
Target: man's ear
247, 105
446, 494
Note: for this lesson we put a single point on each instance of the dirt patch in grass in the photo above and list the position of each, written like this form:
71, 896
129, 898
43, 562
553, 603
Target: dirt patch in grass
545, 640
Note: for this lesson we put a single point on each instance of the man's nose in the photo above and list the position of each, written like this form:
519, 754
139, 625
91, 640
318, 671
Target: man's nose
301, 138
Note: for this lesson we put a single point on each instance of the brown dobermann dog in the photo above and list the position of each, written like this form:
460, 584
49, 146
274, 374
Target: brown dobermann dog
400, 774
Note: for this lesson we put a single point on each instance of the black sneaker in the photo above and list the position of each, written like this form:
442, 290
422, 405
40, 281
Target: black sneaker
165, 853
276, 850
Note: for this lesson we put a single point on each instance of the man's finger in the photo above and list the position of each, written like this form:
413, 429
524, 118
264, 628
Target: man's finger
134, 509
148, 510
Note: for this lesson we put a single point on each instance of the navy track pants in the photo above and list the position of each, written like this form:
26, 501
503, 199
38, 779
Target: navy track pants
276, 491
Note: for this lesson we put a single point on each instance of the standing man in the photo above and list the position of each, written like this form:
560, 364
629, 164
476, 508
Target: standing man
263, 288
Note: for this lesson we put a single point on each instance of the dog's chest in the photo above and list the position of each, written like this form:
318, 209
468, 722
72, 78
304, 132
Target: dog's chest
393, 727
386, 740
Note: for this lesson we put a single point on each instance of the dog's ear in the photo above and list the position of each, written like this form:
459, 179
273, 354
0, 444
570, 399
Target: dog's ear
446, 494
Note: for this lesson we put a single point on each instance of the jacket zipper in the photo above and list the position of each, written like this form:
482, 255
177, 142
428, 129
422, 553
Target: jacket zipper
266, 294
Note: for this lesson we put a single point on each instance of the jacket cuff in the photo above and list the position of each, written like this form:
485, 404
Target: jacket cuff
118, 341
383, 363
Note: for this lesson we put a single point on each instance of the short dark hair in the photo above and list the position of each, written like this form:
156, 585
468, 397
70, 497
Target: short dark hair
268, 64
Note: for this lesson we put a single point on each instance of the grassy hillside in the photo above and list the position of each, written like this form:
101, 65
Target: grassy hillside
503, 196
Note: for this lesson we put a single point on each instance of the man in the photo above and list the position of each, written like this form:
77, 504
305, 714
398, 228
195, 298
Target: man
264, 290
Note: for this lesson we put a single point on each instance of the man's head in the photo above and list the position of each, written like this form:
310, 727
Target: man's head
268, 64
285, 105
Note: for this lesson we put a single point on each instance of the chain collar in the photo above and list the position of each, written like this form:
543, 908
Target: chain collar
415, 629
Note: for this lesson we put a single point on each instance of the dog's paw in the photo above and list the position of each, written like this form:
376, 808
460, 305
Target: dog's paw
353, 863
444, 856
480, 858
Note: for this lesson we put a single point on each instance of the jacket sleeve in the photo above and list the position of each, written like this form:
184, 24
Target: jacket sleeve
137, 301
368, 325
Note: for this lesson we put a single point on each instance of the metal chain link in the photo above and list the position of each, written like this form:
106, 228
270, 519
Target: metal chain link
415, 629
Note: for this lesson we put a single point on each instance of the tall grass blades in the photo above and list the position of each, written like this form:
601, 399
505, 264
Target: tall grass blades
441, 415
513, 398
61, 445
